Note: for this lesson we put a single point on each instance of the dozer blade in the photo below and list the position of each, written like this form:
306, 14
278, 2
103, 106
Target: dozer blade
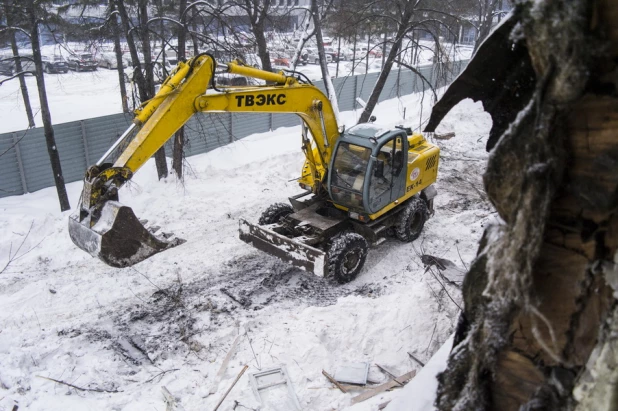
287, 249
117, 238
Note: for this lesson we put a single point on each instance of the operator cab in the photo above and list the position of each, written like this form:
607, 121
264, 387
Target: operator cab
367, 170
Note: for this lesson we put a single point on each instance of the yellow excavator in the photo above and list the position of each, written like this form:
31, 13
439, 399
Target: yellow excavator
359, 184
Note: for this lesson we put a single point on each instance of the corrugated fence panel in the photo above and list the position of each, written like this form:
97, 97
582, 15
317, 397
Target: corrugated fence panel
285, 120
102, 132
365, 85
245, 124
390, 89
344, 86
69, 140
36, 160
215, 130
10, 178
203, 132
406, 82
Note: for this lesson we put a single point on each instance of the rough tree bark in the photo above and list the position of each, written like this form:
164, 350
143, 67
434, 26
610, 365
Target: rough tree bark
52, 149
540, 320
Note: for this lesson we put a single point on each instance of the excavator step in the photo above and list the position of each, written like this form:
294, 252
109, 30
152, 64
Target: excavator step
287, 249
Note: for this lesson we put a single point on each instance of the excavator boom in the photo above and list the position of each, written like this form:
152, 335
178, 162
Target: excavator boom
106, 229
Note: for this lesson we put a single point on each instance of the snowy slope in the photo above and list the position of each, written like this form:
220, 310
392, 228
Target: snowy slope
171, 319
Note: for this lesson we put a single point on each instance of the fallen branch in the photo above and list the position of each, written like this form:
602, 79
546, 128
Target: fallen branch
331, 379
416, 359
387, 372
232, 386
14, 257
162, 373
76, 387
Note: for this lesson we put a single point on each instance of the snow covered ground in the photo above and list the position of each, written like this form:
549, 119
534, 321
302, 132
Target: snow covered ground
171, 319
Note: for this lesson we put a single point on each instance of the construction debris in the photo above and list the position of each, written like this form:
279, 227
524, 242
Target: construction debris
353, 373
272, 378
231, 386
221, 372
397, 382
387, 372
445, 136
422, 364
334, 381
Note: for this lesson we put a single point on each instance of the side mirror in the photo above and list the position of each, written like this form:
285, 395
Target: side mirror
372, 119
378, 171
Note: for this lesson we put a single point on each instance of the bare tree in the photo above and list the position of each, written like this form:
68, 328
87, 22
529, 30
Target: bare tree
143, 74
179, 137
35, 12
9, 14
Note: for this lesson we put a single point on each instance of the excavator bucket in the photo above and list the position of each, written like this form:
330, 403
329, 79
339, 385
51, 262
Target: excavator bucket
118, 238
287, 249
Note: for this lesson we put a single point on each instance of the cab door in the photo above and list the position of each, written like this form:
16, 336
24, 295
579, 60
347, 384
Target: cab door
387, 180
399, 163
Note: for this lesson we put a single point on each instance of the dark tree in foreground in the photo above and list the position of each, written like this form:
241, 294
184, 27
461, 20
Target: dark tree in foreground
539, 329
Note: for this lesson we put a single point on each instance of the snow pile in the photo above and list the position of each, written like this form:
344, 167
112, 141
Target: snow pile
171, 319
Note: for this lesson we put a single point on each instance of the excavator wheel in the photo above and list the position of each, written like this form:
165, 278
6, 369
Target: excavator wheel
411, 220
274, 213
346, 256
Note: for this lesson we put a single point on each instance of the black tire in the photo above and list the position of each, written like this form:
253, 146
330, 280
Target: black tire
317, 61
109, 66
275, 213
48, 69
346, 256
411, 220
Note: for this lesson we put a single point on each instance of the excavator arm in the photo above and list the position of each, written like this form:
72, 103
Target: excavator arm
110, 231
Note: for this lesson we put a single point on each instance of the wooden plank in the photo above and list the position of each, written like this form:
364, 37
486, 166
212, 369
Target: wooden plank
331, 379
397, 382
228, 357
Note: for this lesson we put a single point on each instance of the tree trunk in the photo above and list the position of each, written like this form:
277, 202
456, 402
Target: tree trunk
388, 64
145, 83
328, 84
52, 150
19, 69
486, 20
119, 61
540, 320
257, 17
179, 137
